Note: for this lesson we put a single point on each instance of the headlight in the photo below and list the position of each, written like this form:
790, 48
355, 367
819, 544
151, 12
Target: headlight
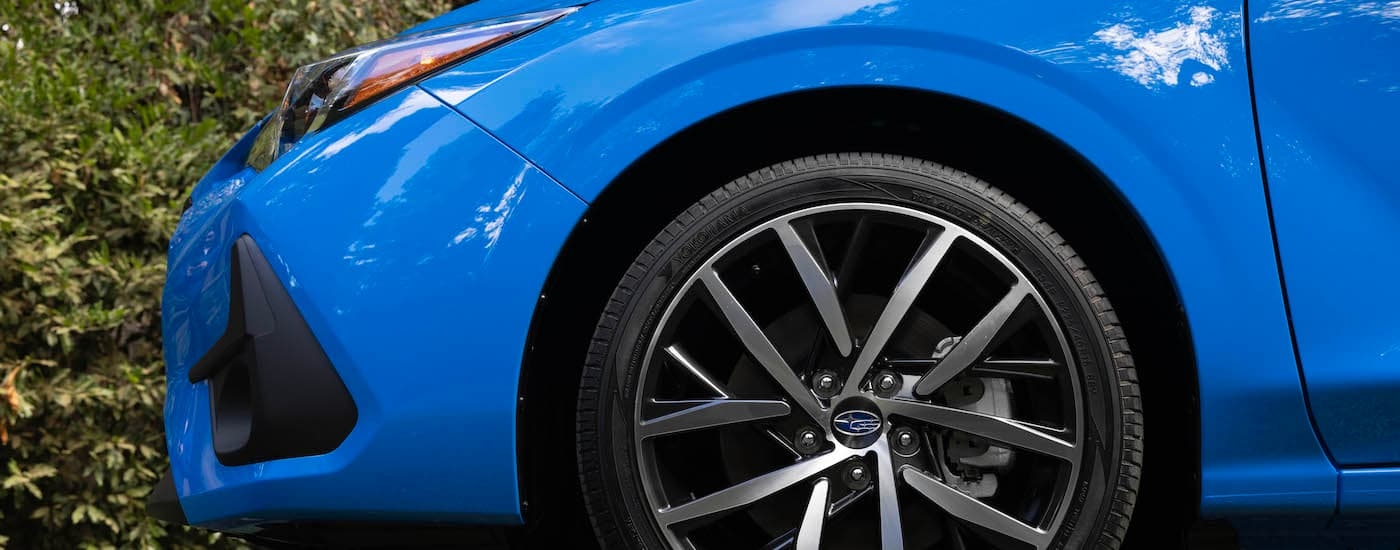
326, 91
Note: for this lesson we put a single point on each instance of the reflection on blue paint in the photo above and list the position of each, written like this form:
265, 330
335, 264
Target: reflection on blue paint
1156, 57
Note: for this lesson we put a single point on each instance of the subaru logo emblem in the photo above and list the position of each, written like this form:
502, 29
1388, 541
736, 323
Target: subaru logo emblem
856, 423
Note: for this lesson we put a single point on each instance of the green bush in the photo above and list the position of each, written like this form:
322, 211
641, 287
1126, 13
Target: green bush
109, 112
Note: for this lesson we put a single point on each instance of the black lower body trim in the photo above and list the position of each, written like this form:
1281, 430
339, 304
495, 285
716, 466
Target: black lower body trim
306, 535
163, 503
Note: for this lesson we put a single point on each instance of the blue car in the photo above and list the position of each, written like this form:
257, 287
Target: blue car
805, 274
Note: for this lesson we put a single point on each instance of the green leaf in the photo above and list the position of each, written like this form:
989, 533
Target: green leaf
106, 120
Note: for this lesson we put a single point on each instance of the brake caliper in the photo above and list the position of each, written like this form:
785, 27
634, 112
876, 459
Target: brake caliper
969, 461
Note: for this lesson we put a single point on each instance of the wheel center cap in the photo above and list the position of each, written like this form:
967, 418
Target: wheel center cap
857, 423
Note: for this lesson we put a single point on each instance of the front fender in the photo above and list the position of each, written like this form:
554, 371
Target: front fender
415, 247
1154, 95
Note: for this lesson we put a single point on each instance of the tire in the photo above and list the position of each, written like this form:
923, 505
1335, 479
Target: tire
629, 469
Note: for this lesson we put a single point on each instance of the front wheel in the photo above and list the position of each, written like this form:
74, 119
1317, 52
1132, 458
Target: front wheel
859, 351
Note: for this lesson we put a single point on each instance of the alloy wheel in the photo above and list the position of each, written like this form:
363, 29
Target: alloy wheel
858, 369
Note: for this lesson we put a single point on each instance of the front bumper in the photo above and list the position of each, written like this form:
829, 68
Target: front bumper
402, 253
273, 393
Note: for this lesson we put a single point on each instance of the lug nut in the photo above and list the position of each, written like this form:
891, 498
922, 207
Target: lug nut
825, 384
807, 441
887, 383
856, 476
906, 442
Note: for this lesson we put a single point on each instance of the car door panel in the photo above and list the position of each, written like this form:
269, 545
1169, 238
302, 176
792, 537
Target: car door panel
1327, 90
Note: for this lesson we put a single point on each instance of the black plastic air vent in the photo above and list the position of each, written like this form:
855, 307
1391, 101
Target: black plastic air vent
272, 390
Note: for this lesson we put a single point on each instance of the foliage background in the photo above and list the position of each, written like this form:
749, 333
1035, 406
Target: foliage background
109, 112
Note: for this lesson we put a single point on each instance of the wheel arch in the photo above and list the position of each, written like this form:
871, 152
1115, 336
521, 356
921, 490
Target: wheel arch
1176, 151
1050, 177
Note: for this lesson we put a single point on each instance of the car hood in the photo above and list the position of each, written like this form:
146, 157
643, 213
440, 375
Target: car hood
488, 9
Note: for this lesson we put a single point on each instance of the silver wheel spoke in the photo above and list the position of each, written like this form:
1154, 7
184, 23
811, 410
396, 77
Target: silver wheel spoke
908, 289
750, 491
815, 275
1038, 369
783, 442
684, 360
760, 347
971, 510
972, 346
719, 412
891, 532
809, 535
1008, 432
